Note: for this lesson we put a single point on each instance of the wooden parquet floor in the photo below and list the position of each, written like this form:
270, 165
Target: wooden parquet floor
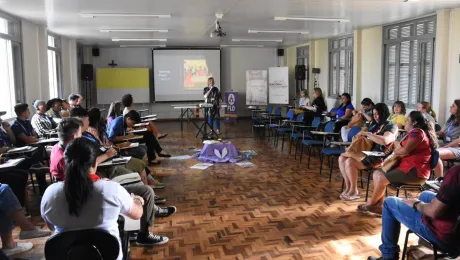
276, 210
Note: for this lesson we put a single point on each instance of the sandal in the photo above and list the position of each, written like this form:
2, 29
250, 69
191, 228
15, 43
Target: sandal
164, 155
372, 209
351, 198
154, 163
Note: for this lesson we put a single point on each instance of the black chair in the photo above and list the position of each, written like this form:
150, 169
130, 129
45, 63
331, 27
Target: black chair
90, 244
453, 253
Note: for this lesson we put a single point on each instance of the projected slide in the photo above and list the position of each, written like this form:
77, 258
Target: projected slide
196, 74
181, 75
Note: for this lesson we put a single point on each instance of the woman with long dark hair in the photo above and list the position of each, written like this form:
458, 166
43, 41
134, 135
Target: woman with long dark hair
344, 112
383, 133
450, 134
416, 148
84, 201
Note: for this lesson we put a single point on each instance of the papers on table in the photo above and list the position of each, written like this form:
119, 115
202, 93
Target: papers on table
11, 163
245, 164
23, 149
116, 161
138, 130
380, 154
149, 116
201, 166
141, 124
132, 145
181, 157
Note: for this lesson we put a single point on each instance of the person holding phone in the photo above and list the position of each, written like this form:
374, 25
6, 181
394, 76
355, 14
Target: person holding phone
213, 96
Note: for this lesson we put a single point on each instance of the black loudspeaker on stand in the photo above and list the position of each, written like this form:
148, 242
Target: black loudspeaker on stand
300, 72
87, 77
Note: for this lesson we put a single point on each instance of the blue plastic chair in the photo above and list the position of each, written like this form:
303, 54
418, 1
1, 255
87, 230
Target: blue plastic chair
283, 130
289, 116
336, 152
328, 128
304, 134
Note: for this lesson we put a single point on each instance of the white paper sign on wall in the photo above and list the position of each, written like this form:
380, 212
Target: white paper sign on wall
278, 85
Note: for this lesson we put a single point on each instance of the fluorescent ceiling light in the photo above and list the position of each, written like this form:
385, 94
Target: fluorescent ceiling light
92, 15
241, 45
299, 18
130, 46
277, 31
134, 30
137, 39
256, 40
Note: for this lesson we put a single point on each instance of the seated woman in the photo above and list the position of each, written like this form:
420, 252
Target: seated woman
360, 117
128, 102
427, 111
99, 137
11, 213
65, 110
383, 133
317, 108
54, 108
415, 149
450, 134
41, 122
83, 200
398, 115
344, 112
114, 112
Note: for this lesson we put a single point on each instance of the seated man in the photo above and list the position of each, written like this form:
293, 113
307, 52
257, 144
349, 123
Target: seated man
10, 213
116, 132
21, 133
70, 129
433, 216
75, 100
41, 122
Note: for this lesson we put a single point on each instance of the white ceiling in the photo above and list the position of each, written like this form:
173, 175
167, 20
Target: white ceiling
192, 20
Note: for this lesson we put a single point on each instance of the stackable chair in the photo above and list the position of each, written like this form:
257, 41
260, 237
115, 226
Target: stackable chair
302, 132
310, 144
288, 128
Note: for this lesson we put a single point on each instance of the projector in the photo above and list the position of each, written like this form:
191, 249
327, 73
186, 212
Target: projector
218, 32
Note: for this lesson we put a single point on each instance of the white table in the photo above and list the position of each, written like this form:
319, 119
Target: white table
185, 109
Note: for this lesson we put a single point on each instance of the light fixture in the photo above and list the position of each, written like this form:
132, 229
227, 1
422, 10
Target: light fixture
277, 31
92, 15
241, 45
134, 30
300, 18
133, 46
137, 39
257, 40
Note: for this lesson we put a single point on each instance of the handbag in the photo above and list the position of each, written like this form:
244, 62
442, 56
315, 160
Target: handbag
356, 120
358, 145
391, 162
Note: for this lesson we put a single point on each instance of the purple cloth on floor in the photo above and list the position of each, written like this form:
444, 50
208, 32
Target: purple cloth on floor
219, 153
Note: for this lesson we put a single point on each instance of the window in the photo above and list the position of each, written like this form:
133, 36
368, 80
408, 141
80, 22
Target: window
10, 64
303, 58
408, 61
340, 66
54, 66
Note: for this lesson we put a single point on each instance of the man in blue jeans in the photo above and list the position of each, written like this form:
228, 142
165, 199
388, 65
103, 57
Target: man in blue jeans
433, 216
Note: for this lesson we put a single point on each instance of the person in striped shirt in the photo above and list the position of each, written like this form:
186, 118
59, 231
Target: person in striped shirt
41, 122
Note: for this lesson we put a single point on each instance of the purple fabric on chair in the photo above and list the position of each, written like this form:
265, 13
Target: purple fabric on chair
219, 153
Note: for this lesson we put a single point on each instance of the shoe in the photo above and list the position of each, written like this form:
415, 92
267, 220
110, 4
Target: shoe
151, 240
380, 258
165, 155
154, 163
159, 200
20, 248
162, 136
132, 236
165, 211
34, 233
156, 184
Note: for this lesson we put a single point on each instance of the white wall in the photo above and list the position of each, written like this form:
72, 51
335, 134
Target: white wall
35, 63
235, 62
